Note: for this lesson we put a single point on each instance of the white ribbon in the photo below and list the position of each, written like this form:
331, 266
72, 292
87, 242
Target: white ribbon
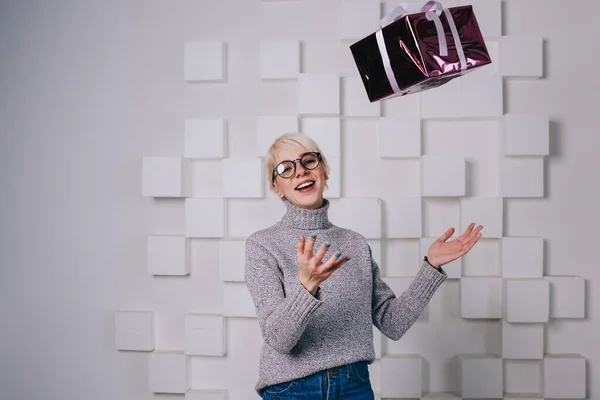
433, 10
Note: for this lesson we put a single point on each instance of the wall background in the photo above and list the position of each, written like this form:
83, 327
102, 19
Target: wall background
88, 89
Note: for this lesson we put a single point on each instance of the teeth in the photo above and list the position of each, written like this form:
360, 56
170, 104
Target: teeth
304, 185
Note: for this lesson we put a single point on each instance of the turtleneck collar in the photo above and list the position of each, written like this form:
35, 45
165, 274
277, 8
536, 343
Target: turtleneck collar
302, 218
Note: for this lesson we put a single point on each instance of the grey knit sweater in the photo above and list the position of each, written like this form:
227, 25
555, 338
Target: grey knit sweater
304, 334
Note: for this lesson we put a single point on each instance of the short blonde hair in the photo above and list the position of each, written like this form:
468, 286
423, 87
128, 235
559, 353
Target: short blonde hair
295, 139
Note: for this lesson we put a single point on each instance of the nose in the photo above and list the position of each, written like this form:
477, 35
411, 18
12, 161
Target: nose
300, 170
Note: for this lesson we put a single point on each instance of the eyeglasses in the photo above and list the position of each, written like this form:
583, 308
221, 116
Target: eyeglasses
286, 169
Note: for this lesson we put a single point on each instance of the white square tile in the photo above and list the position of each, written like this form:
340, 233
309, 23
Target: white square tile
481, 298
484, 211
522, 257
205, 217
237, 301
232, 260
399, 137
134, 330
377, 342
440, 396
167, 255
522, 56
481, 377
318, 94
443, 176
279, 59
165, 177
168, 372
567, 296
204, 61
527, 300
522, 177
488, 14
243, 178
526, 134
357, 18
270, 128
206, 394
205, 335
523, 376
361, 215
443, 101
205, 138
564, 376
403, 218
453, 269
356, 101
522, 341
482, 95
334, 182
375, 246
401, 376
325, 132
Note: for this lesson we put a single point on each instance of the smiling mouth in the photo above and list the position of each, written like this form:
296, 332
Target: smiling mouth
305, 186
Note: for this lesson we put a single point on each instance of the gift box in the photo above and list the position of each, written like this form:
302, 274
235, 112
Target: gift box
413, 52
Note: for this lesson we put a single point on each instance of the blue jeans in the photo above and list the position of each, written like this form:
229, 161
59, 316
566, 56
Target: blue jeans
347, 382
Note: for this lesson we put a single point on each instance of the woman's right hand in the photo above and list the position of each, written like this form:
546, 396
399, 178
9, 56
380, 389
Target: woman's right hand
313, 271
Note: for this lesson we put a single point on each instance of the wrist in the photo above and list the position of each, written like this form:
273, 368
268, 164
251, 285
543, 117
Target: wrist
310, 287
434, 265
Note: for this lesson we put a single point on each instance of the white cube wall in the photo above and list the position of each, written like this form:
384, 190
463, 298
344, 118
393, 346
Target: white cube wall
269, 128
237, 301
523, 377
243, 178
481, 377
232, 260
168, 372
435, 103
401, 376
522, 177
526, 134
522, 257
205, 217
440, 396
453, 269
362, 216
482, 95
522, 341
334, 183
279, 59
355, 102
167, 255
357, 18
564, 377
205, 138
205, 335
481, 298
403, 218
489, 16
527, 300
206, 394
443, 176
204, 61
567, 296
522, 56
318, 94
485, 211
134, 330
399, 137
325, 132
165, 177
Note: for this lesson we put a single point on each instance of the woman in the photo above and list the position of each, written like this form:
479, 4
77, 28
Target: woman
318, 291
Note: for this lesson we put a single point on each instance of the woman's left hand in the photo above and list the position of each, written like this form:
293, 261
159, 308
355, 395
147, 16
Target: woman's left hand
442, 252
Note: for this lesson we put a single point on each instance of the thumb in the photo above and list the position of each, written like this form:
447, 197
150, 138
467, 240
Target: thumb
446, 235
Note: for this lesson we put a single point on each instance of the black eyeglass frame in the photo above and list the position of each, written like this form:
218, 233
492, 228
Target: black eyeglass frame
294, 164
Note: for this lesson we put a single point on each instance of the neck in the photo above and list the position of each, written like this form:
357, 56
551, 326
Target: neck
304, 218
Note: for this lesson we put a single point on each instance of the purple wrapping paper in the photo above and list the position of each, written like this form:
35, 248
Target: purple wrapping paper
412, 45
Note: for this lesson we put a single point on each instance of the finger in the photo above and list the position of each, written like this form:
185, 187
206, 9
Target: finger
300, 246
468, 231
322, 250
310, 245
335, 257
446, 235
475, 234
339, 263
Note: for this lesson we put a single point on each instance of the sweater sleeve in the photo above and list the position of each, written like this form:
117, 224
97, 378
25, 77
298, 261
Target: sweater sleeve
282, 316
394, 315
